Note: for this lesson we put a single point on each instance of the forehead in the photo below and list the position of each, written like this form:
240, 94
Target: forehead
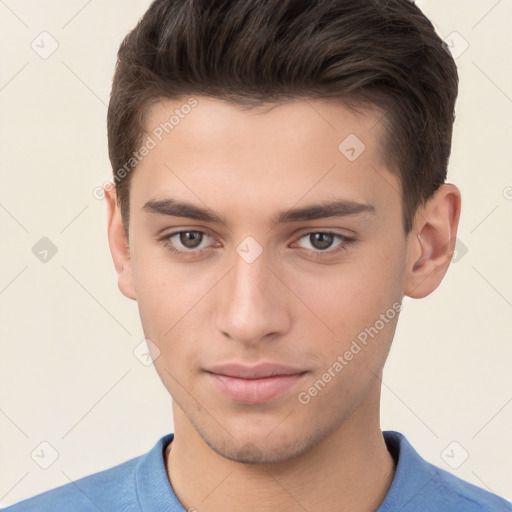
307, 121
272, 155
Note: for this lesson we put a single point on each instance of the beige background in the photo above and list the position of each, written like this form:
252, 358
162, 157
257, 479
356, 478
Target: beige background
68, 375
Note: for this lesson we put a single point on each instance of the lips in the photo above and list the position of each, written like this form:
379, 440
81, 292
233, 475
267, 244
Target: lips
254, 372
254, 384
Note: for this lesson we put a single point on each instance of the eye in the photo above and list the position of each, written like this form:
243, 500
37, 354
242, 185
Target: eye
321, 241
189, 239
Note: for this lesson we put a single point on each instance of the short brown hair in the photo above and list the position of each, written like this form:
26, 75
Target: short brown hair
365, 52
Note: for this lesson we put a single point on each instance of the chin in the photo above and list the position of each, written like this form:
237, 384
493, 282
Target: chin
252, 453
259, 449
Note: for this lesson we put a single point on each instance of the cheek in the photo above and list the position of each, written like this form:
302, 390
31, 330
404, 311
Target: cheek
353, 311
165, 291
350, 298
171, 303
363, 315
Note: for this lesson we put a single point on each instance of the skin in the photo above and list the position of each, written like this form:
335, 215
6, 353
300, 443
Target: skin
287, 306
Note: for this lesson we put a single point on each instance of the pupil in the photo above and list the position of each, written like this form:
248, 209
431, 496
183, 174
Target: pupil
324, 239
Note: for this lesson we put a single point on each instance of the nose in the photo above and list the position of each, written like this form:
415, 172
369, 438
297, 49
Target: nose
252, 302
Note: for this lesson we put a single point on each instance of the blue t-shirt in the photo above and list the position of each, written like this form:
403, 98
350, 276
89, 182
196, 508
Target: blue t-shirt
141, 485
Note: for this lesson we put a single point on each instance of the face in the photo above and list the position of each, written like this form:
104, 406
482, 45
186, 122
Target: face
270, 320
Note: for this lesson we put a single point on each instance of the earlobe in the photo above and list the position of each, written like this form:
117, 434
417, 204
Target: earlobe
432, 243
118, 243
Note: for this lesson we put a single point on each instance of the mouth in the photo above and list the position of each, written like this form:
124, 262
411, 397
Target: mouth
254, 384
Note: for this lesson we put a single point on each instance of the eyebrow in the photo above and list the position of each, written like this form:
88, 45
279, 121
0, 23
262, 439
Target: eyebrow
325, 209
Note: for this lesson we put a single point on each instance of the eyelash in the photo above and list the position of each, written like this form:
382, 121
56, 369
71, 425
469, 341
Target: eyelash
346, 242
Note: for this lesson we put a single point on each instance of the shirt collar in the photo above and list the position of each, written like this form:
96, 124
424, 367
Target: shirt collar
151, 483
412, 475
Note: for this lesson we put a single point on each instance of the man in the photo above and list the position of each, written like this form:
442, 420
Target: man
279, 172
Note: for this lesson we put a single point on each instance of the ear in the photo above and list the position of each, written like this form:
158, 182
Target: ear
118, 242
431, 243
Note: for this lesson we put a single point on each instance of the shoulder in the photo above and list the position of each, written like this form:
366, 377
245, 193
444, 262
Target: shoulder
113, 489
87, 493
451, 492
420, 485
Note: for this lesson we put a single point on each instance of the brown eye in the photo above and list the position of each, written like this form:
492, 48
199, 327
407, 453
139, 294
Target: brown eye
185, 242
321, 241
190, 239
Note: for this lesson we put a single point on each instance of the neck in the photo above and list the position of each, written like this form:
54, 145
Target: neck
351, 469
